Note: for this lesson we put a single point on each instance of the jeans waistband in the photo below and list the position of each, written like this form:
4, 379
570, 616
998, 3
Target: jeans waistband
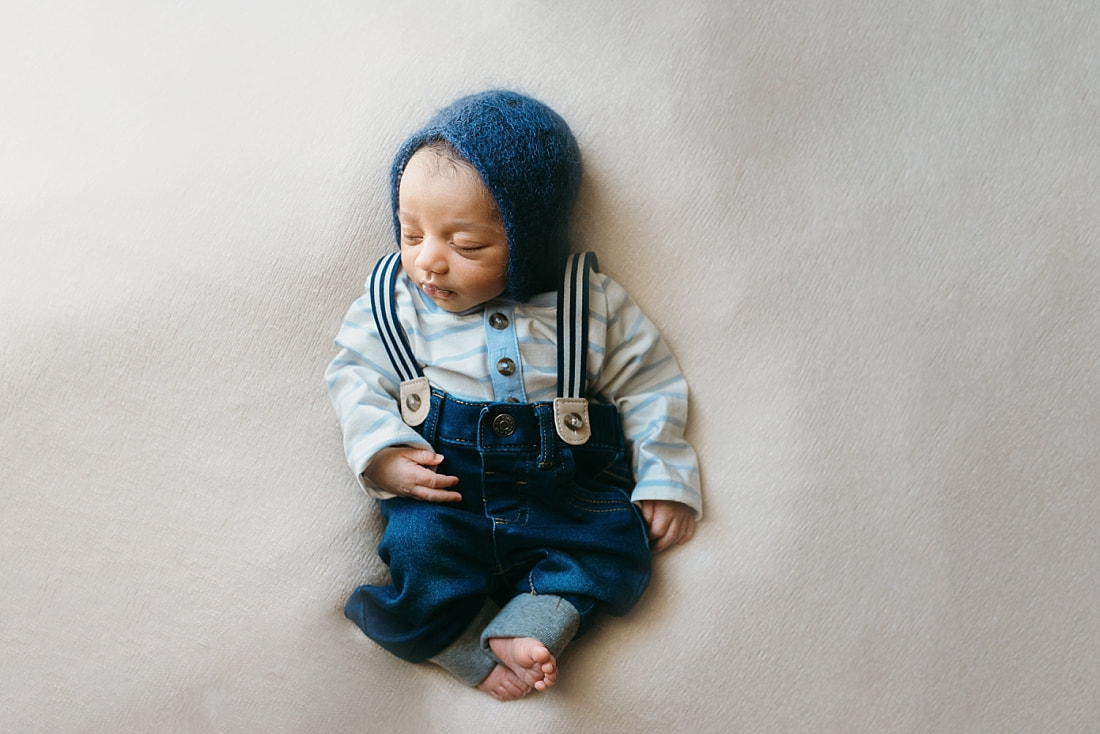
513, 426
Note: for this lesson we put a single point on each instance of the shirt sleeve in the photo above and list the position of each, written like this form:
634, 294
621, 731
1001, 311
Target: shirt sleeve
640, 376
363, 388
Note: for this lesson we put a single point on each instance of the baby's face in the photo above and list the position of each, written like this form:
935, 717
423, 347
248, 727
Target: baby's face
453, 243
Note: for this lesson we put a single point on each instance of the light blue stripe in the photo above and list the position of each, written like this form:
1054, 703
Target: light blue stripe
656, 366
364, 361
359, 325
540, 341
365, 436
649, 401
628, 338
448, 332
452, 358
647, 483
656, 424
680, 446
541, 369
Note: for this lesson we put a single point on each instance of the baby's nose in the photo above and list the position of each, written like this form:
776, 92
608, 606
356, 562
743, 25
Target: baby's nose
432, 256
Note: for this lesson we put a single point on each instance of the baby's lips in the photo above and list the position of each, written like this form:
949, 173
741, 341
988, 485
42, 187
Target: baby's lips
436, 291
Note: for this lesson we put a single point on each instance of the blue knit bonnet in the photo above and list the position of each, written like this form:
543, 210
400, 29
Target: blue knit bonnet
531, 164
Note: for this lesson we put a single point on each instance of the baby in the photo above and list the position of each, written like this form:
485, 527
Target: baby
517, 417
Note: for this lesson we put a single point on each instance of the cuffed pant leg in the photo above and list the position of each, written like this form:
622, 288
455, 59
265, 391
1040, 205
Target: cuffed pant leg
548, 618
465, 658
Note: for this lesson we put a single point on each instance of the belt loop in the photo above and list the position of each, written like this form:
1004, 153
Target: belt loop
549, 448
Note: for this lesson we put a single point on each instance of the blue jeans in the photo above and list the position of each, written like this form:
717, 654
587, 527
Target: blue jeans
537, 516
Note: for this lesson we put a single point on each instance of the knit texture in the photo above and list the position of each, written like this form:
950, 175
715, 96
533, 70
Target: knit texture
548, 618
530, 162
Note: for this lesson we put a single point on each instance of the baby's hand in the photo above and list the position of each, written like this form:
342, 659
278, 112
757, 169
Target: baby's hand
409, 472
670, 523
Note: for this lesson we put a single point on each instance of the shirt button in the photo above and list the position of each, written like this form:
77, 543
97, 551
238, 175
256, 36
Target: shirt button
498, 321
504, 425
506, 367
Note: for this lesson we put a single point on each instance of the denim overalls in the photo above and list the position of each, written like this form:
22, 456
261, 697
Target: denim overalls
545, 497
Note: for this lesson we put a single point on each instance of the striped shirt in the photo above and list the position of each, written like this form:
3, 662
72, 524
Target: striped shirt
629, 365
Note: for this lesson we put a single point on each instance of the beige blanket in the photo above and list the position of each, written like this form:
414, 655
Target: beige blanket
870, 233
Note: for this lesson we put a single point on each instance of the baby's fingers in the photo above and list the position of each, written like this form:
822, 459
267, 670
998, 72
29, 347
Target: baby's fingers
670, 528
425, 457
680, 531
663, 537
432, 487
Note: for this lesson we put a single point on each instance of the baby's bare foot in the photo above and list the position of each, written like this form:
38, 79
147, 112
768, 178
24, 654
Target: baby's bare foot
528, 658
504, 685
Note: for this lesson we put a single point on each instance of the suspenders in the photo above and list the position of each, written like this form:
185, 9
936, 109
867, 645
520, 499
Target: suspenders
415, 396
573, 325
570, 407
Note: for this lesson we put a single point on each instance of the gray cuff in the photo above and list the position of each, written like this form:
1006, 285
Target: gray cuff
547, 618
465, 658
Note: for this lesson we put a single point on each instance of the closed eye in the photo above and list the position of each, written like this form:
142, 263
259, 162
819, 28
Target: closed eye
467, 248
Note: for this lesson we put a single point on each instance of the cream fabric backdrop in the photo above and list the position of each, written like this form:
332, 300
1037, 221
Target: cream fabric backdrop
869, 231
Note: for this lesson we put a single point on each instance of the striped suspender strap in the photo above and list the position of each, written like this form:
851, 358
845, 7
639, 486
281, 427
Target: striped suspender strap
571, 406
414, 396
384, 308
573, 325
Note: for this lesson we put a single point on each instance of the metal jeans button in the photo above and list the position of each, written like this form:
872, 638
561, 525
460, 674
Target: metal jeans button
504, 425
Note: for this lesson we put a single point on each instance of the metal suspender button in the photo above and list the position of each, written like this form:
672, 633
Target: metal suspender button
415, 400
498, 321
506, 367
572, 420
